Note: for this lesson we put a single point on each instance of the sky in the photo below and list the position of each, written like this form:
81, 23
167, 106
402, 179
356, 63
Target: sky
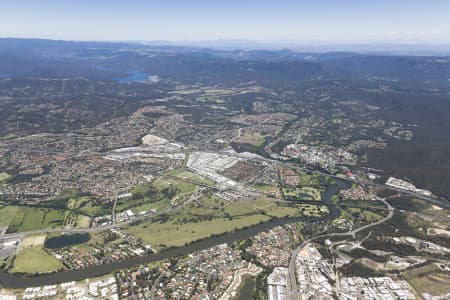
343, 21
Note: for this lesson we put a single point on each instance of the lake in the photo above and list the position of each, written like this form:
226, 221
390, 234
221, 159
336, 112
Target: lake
17, 281
67, 240
133, 76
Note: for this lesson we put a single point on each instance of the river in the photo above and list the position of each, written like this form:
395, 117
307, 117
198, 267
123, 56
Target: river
17, 281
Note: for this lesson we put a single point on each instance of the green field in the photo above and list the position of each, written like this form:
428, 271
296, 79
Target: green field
182, 187
183, 174
4, 177
21, 218
260, 206
196, 222
92, 209
169, 234
158, 205
213, 201
310, 180
310, 210
263, 187
72, 219
35, 260
360, 215
28, 218
7, 214
310, 193
74, 203
303, 193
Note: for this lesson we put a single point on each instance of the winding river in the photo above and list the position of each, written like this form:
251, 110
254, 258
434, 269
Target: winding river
20, 281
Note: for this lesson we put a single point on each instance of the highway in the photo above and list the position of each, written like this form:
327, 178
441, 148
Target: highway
194, 197
443, 203
293, 289
260, 158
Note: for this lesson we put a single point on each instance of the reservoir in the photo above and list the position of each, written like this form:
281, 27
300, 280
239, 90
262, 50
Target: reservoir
133, 76
21, 281
66, 240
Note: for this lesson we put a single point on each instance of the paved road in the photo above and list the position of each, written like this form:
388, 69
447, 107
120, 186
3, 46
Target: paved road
443, 203
286, 164
293, 289
193, 197
293, 283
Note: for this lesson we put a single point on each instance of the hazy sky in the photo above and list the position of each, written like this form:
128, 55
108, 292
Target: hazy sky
315, 20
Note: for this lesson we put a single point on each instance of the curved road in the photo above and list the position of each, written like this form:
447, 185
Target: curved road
20, 281
293, 290
14, 281
97, 228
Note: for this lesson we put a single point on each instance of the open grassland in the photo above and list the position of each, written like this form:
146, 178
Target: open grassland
33, 240
183, 174
360, 215
159, 195
212, 201
73, 219
158, 205
83, 221
309, 210
28, 218
434, 284
311, 193
182, 187
429, 279
304, 193
21, 218
35, 260
196, 222
309, 180
74, 203
260, 206
7, 214
255, 139
173, 234
263, 187
4, 177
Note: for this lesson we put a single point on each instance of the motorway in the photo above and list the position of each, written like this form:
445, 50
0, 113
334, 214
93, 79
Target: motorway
194, 197
293, 289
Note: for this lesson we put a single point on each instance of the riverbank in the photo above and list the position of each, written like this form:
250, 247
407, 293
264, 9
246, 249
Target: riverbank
16, 281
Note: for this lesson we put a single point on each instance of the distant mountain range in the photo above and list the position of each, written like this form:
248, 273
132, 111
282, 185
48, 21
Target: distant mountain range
242, 44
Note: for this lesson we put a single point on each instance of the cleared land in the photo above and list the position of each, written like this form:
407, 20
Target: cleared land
35, 260
7, 214
20, 218
429, 279
183, 174
215, 217
255, 139
180, 186
4, 177
174, 234
33, 240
